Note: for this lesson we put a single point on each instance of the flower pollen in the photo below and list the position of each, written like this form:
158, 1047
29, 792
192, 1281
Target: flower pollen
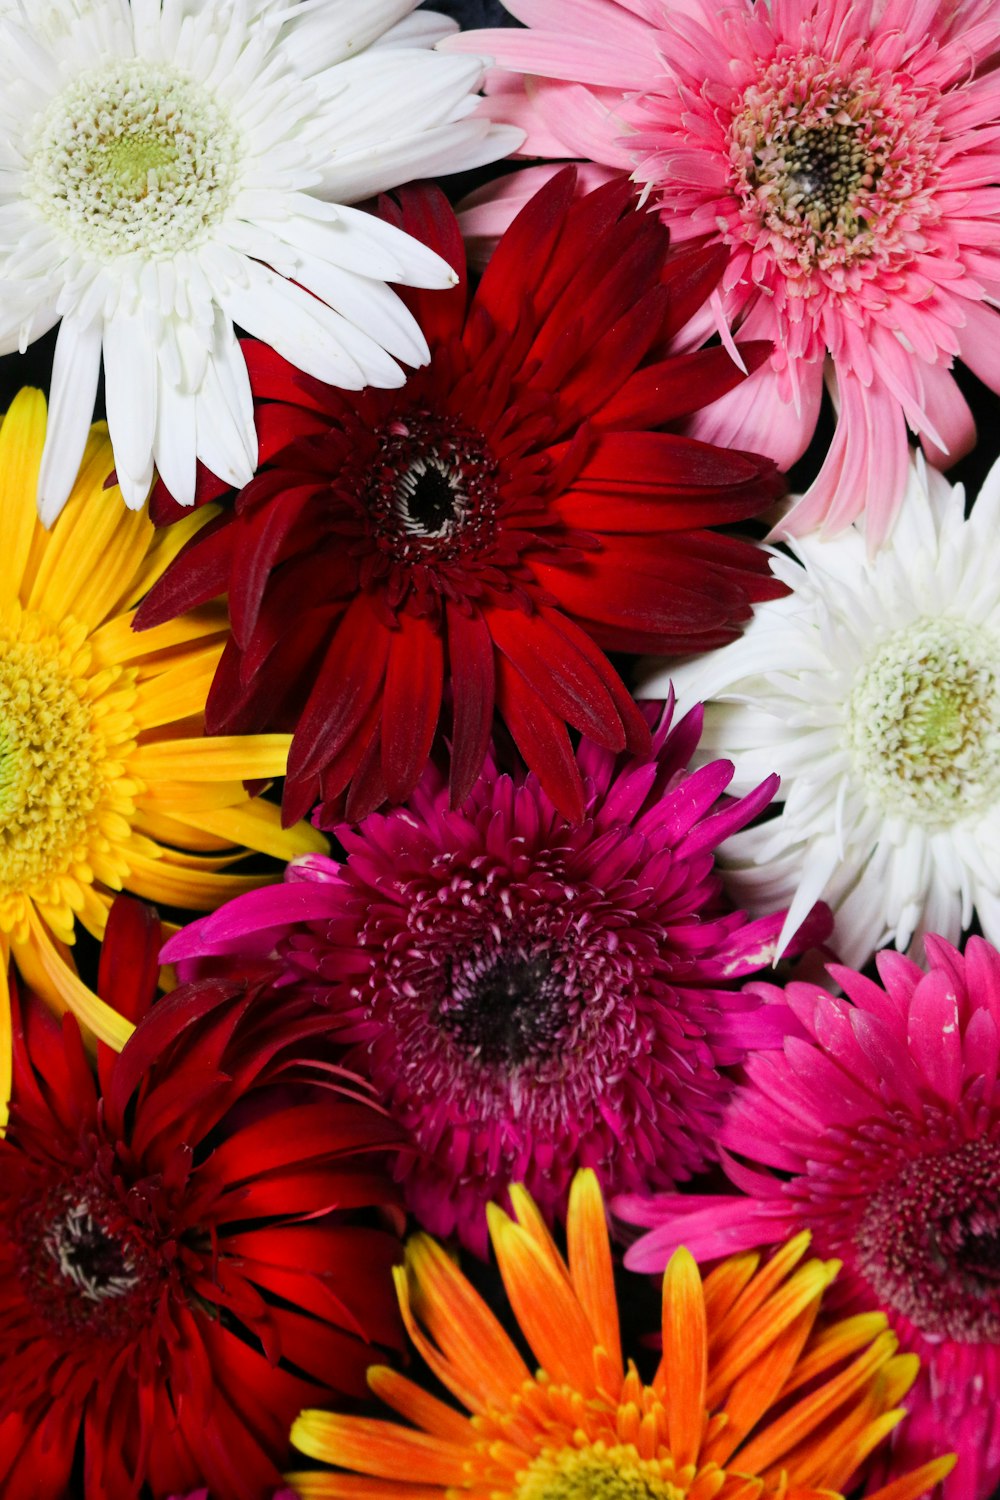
924, 719
134, 157
826, 164
929, 1243
598, 1473
59, 754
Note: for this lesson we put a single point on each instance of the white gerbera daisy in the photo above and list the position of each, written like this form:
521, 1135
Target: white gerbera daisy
170, 168
873, 690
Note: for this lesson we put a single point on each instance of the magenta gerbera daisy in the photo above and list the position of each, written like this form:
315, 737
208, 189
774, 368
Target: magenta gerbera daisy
526, 995
878, 1129
846, 152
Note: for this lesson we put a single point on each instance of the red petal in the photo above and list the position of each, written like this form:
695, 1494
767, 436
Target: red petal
520, 259
664, 392
557, 673
413, 683
259, 540
200, 572
542, 739
470, 656
349, 681
425, 212
129, 963
279, 424
691, 276
274, 379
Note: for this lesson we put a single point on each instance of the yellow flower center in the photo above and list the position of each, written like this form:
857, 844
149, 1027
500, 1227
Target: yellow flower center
597, 1473
64, 729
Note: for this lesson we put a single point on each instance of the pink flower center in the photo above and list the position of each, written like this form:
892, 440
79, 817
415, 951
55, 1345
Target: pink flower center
432, 494
929, 1243
826, 163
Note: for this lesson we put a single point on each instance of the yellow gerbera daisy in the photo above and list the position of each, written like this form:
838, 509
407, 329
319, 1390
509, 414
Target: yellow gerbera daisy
750, 1401
107, 781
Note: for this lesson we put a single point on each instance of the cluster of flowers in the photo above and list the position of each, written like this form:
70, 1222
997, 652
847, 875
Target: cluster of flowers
470, 529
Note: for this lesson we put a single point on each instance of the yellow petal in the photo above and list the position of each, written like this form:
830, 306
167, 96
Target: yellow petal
795, 1425
95, 547
195, 890
257, 825
181, 691
22, 437
224, 757
53, 980
115, 643
316, 1486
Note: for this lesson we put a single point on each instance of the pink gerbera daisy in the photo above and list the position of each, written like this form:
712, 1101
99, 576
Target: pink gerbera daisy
878, 1129
846, 151
527, 995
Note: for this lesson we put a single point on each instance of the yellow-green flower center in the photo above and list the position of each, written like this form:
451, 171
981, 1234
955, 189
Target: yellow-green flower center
134, 157
596, 1474
63, 730
923, 721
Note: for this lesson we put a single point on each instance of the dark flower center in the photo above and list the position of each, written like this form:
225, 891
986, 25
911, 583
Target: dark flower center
819, 175
505, 1008
929, 1243
430, 501
84, 1266
88, 1256
432, 492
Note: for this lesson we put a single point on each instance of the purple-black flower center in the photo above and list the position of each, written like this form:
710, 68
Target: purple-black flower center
929, 1243
432, 493
505, 1008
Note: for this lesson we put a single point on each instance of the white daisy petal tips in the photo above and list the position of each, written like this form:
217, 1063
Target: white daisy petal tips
873, 690
171, 167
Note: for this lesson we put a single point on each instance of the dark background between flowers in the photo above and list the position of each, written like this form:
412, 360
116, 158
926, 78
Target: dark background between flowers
639, 1296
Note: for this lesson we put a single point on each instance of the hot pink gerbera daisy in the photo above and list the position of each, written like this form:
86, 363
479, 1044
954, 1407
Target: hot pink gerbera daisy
878, 1129
527, 995
846, 151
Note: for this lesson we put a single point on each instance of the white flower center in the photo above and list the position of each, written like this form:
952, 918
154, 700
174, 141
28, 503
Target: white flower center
134, 157
923, 721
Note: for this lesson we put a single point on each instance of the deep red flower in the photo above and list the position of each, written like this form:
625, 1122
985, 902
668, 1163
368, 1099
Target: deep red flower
182, 1266
483, 535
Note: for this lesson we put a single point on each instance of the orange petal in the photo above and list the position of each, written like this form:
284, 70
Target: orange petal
316, 1486
797, 1423
379, 1448
834, 1344
419, 1406
748, 1343
465, 1330
592, 1270
912, 1486
722, 1286
545, 1305
761, 1286
682, 1377
760, 1387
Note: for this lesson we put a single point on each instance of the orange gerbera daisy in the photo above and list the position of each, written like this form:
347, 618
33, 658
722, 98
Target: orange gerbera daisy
107, 782
751, 1400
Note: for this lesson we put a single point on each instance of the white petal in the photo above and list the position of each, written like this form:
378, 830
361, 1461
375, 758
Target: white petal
130, 378
76, 367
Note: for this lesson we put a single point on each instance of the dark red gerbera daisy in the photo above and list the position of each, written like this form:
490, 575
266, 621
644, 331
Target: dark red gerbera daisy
182, 1263
483, 535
